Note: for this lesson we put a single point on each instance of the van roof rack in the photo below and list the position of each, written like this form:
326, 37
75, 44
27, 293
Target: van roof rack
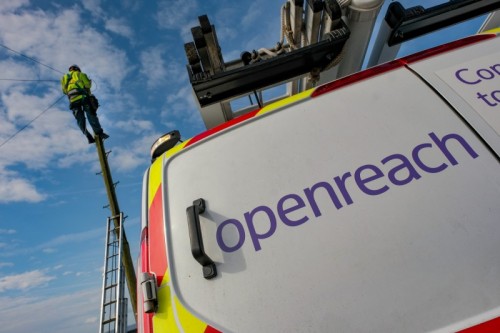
325, 40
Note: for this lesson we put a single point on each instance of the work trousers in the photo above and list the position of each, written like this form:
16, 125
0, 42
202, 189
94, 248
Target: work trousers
80, 108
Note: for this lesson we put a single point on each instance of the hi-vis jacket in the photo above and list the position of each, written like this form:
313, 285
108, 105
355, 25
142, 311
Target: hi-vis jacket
76, 85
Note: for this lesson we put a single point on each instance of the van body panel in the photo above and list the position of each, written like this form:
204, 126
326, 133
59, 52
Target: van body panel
371, 208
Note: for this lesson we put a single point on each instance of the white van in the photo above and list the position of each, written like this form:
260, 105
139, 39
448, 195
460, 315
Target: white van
369, 204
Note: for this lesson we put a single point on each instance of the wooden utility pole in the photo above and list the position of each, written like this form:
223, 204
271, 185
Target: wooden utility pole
128, 265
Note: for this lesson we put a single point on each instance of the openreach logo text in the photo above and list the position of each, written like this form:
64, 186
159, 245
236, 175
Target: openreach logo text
295, 209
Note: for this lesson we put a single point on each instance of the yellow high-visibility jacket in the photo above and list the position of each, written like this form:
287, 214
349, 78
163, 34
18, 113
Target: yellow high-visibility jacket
76, 85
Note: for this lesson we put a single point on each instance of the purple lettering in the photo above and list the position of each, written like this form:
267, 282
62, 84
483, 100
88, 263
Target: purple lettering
291, 208
251, 227
487, 74
309, 192
421, 165
484, 98
441, 143
496, 95
241, 235
458, 75
405, 164
297, 204
377, 173
496, 68
341, 185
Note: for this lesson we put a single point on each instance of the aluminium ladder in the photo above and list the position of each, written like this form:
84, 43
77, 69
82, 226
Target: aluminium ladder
113, 317
126, 259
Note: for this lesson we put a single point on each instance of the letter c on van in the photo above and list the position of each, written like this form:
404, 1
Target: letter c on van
458, 75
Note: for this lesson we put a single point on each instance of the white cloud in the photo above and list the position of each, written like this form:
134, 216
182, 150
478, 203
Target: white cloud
127, 159
7, 231
94, 7
24, 281
81, 313
175, 14
114, 24
61, 243
135, 125
181, 106
19, 104
37, 146
40, 142
11, 69
159, 69
134, 155
154, 66
253, 14
13, 188
72, 238
224, 19
120, 27
12, 4
6, 264
57, 38
62, 38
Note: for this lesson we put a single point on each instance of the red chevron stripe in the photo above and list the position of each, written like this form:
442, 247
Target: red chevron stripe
491, 326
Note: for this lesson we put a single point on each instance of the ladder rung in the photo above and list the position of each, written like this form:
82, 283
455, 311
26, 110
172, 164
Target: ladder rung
108, 321
109, 303
110, 300
111, 286
111, 270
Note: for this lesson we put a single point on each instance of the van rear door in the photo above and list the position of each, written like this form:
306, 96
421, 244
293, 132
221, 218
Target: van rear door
371, 208
469, 79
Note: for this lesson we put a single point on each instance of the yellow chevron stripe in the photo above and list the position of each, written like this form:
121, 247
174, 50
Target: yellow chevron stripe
492, 31
177, 148
155, 177
164, 318
285, 102
189, 322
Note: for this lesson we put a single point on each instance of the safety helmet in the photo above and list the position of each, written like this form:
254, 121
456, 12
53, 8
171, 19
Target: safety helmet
74, 67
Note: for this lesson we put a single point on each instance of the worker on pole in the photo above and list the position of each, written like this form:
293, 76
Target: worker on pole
76, 85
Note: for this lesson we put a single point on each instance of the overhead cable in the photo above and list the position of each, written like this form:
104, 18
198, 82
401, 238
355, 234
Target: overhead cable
29, 58
32, 120
41, 113
26, 80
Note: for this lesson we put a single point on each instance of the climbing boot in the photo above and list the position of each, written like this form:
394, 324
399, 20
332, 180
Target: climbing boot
90, 138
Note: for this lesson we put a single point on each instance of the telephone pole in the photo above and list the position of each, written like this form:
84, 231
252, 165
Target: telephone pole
126, 258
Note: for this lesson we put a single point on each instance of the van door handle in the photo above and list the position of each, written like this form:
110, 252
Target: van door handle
193, 216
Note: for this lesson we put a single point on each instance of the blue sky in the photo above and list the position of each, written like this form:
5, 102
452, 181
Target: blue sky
52, 220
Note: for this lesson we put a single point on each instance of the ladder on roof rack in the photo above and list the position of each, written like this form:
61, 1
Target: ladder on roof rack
313, 40
321, 40
113, 317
